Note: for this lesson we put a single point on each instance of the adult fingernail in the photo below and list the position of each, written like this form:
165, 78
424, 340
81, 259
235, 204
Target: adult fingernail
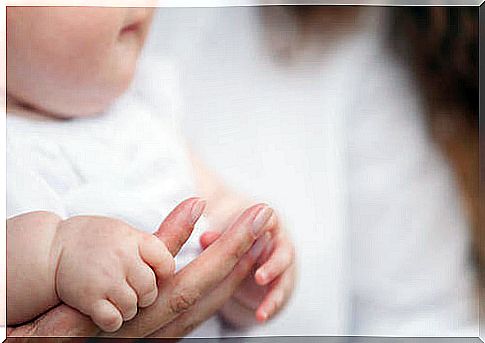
197, 210
261, 220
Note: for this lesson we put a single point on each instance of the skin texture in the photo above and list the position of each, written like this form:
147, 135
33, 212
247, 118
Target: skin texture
212, 283
194, 294
265, 291
72, 61
109, 280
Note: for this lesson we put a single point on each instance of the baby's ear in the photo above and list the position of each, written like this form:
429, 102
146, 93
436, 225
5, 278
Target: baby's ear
177, 227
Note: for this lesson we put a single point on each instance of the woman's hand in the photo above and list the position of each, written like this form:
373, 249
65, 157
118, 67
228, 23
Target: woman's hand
191, 284
265, 291
185, 301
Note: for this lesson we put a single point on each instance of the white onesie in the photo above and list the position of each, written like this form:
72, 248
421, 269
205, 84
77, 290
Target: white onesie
128, 163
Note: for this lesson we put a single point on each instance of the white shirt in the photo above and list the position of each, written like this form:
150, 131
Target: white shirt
128, 163
334, 138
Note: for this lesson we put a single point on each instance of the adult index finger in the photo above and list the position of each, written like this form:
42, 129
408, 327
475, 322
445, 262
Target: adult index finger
201, 275
178, 225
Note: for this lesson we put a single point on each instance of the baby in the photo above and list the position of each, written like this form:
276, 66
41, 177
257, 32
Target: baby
90, 178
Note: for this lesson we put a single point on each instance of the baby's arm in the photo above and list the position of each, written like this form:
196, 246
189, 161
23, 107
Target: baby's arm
30, 265
98, 265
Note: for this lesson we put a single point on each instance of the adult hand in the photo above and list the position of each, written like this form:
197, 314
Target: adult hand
265, 291
216, 266
185, 291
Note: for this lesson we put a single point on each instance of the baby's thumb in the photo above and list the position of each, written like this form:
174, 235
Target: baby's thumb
177, 227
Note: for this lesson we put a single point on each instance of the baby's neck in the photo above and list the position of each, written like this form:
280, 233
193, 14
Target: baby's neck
19, 109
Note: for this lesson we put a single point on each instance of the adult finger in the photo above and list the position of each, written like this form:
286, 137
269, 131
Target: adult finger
106, 315
221, 256
213, 301
177, 227
202, 274
61, 321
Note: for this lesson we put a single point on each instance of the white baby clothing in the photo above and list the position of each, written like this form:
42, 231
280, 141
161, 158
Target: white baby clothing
128, 163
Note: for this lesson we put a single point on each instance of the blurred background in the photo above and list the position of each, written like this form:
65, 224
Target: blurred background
360, 125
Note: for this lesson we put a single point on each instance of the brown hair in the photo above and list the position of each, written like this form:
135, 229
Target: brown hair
441, 44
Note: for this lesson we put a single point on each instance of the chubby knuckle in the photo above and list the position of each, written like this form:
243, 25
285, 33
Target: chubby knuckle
107, 273
111, 225
92, 291
132, 300
122, 253
150, 240
149, 292
109, 319
157, 244
182, 301
122, 296
147, 288
168, 268
131, 312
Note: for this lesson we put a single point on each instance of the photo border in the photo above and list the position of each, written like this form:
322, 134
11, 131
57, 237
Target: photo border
231, 3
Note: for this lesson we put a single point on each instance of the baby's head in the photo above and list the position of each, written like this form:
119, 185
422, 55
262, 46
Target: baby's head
72, 61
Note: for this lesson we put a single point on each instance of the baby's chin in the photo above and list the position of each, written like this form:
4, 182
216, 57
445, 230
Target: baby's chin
75, 109
82, 104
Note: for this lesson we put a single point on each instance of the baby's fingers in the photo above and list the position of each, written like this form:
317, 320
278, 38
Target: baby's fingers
106, 316
280, 259
280, 292
156, 255
142, 279
125, 300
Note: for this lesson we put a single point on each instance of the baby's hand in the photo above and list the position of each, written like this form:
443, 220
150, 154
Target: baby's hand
107, 269
266, 292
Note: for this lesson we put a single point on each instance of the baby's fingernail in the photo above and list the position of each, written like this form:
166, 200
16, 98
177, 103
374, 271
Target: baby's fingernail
261, 219
197, 210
